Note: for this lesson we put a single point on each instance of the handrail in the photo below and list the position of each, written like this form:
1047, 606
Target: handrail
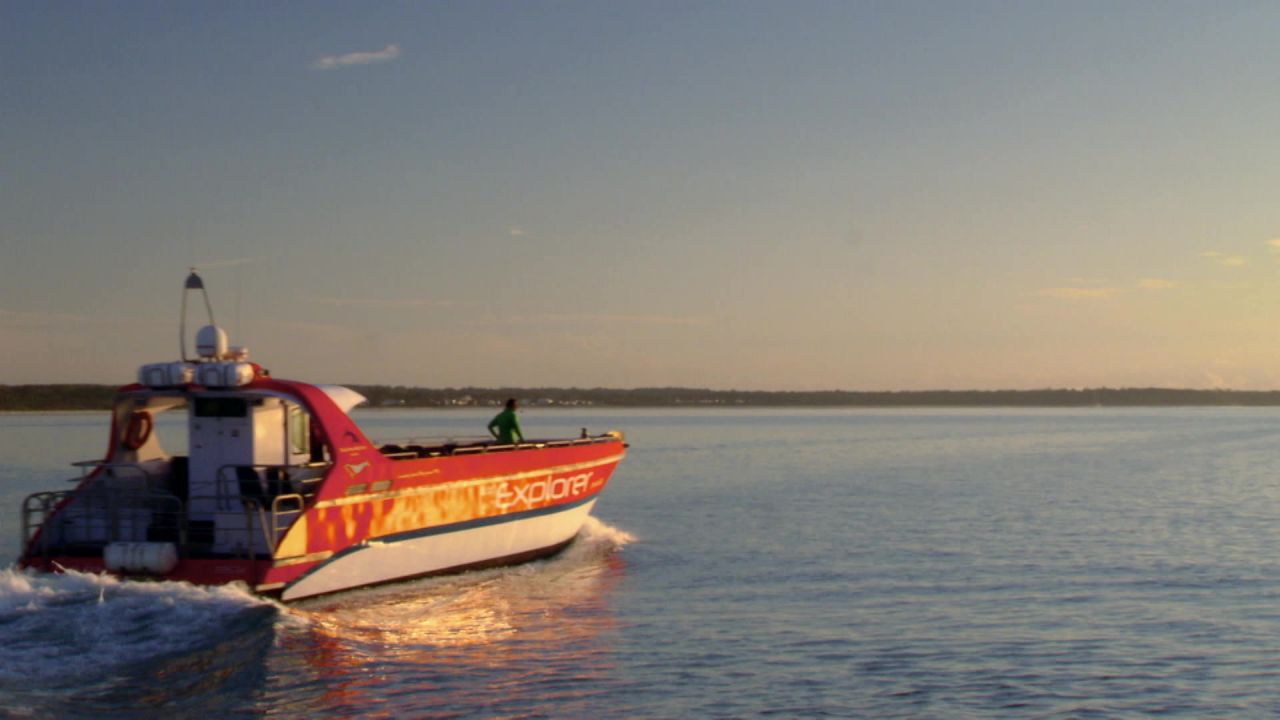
271, 538
105, 513
277, 512
227, 483
268, 519
48, 500
85, 465
414, 449
113, 471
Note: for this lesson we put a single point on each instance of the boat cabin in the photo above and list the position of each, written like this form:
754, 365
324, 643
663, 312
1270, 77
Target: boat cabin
212, 458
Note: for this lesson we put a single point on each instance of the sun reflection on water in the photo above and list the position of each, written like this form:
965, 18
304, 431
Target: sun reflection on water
540, 628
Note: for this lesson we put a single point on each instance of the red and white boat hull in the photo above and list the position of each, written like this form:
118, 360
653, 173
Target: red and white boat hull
501, 540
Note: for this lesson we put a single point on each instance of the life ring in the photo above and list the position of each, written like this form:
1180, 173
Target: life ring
138, 430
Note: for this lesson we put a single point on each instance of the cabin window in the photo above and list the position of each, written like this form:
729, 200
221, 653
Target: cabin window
221, 407
299, 431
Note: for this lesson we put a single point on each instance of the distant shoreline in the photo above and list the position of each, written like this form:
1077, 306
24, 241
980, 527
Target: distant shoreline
85, 397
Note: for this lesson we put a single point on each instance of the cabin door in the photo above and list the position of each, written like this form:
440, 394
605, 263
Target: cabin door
221, 440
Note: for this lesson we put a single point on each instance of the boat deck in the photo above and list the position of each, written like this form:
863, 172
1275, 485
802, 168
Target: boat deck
413, 449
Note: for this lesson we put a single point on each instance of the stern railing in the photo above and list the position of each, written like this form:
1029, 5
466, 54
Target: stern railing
101, 516
42, 504
122, 505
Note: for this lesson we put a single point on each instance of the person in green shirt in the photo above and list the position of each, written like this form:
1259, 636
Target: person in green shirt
505, 426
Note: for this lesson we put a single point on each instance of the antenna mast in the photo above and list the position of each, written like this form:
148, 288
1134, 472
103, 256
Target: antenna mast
193, 283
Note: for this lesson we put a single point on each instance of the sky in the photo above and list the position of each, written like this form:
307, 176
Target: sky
761, 195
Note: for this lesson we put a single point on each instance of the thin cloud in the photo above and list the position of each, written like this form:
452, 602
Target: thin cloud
1214, 380
1224, 259
1275, 244
1080, 293
382, 303
332, 62
292, 331
516, 231
20, 318
229, 263
601, 319
1156, 284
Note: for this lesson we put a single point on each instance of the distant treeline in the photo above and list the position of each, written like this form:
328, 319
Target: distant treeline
56, 397
382, 395
98, 397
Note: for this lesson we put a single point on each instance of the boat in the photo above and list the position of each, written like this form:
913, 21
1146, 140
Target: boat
217, 472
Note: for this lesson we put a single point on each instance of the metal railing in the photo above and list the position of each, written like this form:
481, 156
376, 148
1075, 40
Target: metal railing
291, 480
408, 450
101, 515
121, 505
41, 504
273, 522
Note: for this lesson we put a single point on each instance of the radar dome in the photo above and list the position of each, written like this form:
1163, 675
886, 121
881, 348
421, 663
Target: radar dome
211, 342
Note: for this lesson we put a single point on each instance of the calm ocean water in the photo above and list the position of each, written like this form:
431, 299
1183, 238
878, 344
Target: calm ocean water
796, 563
